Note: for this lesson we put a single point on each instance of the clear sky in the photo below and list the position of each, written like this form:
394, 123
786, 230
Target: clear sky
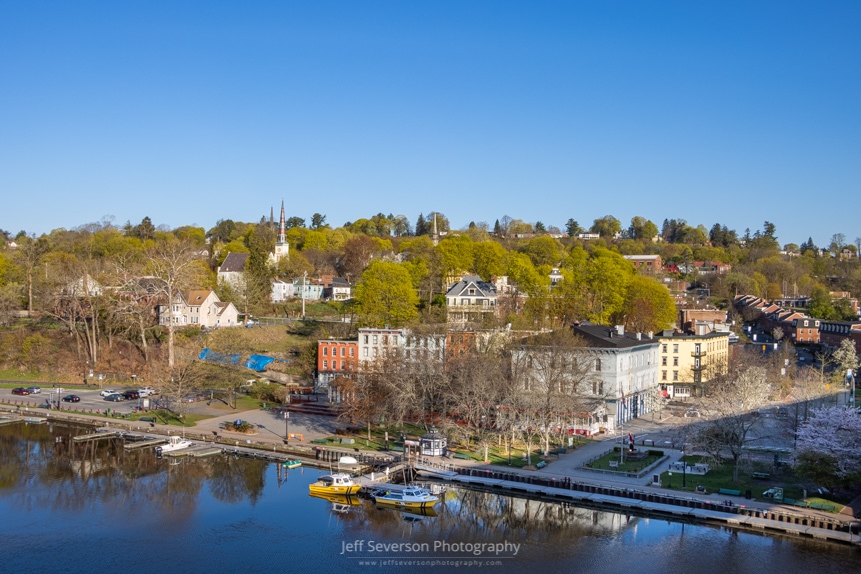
194, 111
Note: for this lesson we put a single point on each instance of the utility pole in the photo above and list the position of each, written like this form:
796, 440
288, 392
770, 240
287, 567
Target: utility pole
304, 276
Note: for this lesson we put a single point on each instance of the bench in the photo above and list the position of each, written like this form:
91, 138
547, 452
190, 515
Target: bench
541, 464
396, 448
761, 475
461, 455
148, 419
730, 492
820, 506
319, 441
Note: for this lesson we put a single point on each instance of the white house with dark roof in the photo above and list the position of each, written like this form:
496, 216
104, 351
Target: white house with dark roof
471, 300
232, 270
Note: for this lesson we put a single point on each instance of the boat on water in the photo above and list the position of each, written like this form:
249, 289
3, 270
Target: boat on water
291, 463
174, 443
338, 483
411, 497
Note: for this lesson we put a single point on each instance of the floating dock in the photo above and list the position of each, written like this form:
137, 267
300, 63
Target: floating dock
97, 436
144, 444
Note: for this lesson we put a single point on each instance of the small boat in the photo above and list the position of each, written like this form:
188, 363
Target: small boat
411, 497
291, 463
338, 483
174, 443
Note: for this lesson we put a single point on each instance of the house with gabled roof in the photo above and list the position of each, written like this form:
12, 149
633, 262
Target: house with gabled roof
200, 308
471, 300
232, 269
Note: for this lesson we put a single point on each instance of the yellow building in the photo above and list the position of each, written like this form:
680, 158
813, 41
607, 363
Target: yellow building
685, 361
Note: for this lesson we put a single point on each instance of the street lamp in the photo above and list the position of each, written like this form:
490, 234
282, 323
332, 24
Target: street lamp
684, 468
286, 428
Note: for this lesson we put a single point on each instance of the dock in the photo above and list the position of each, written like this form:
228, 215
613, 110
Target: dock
144, 444
650, 503
97, 436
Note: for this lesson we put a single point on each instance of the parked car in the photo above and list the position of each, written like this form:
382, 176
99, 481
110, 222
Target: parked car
107, 392
71, 399
116, 397
692, 413
34, 390
20, 391
131, 395
146, 392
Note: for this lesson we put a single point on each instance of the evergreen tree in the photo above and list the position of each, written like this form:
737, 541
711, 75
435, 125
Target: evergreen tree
421, 225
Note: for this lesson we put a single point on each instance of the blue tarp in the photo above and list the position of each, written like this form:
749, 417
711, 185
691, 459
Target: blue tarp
214, 356
258, 362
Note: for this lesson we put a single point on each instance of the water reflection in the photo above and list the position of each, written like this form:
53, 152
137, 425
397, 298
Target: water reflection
59, 497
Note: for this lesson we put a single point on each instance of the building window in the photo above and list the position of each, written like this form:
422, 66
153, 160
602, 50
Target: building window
663, 361
663, 375
342, 365
351, 351
664, 349
598, 365
366, 339
325, 365
675, 361
376, 340
325, 351
365, 352
675, 347
675, 375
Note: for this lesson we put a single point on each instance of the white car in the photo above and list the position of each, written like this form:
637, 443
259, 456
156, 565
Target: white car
107, 392
146, 392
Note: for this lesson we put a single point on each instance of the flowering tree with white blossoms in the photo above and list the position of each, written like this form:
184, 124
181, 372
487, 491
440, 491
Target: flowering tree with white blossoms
828, 444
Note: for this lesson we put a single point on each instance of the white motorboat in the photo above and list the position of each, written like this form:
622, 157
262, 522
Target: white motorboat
174, 443
411, 497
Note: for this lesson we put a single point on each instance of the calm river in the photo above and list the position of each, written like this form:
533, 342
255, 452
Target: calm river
95, 507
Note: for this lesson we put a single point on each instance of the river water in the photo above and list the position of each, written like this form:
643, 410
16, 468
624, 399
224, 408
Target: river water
95, 507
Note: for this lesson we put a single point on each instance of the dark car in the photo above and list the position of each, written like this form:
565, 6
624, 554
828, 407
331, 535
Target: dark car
130, 395
34, 390
20, 391
71, 399
116, 397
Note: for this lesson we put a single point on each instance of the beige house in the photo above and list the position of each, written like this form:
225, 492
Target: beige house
200, 308
686, 361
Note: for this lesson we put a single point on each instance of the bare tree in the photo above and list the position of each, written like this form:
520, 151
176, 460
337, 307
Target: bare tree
172, 260
558, 383
732, 402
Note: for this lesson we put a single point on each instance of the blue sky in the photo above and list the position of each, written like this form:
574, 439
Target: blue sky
190, 112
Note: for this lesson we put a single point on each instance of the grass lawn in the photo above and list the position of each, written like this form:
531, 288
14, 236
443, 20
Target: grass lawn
603, 463
721, 477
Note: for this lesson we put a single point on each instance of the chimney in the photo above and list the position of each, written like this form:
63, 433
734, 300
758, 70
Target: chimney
639, 336
620, 329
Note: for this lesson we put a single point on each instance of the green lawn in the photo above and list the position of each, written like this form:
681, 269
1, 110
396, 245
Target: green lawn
603, 463
721, 477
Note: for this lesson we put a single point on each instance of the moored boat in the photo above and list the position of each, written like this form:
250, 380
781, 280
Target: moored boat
291, 463
174, 443
338, 483
411, 497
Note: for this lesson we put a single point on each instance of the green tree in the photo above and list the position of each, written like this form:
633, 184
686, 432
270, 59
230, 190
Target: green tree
317, 221
385, 295
820, 305
648, 306
641, 228
607, 226
488, 257
543, 250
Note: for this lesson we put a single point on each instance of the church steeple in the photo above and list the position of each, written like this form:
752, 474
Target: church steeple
282, 248
282, 237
